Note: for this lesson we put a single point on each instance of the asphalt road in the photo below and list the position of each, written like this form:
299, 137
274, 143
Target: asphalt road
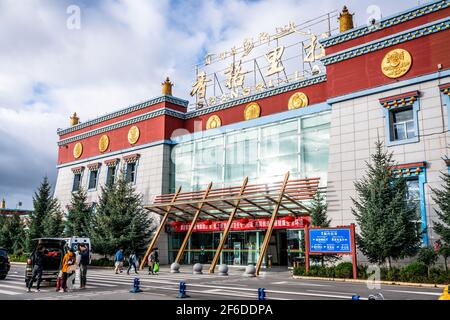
103, 284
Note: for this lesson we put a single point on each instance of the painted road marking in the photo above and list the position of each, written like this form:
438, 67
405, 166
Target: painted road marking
416, 292
9, 293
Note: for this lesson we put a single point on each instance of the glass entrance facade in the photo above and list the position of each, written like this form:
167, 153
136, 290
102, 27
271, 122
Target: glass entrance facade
263, 153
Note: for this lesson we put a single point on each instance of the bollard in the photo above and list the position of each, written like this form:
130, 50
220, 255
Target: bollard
197, 269
250, 271
355, 297
261, 294
445, 294
175, 268
182, 294
136, 286
223, 270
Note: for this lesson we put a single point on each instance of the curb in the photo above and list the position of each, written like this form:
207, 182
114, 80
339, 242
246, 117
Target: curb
392, 283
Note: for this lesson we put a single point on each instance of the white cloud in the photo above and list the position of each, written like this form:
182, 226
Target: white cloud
121, 54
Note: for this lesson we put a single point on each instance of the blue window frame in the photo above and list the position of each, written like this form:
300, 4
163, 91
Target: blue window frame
416, 179
402, 121
111, 175
130, 173
76, 182
445, 90
93, 179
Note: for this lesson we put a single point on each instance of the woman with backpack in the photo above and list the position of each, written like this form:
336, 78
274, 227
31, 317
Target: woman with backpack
68, 268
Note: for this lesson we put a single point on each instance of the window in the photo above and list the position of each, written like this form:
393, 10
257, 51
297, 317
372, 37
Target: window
403, 125
76, 182
111, 175
93, 177
402, 122
131, 172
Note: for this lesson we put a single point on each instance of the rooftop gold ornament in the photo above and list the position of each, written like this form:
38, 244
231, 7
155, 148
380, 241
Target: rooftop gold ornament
3, 204
103, 143
345, 20
396, 63
167, 87
74, 120
213, 122
133, 135
78, 150
298, 100
252, 111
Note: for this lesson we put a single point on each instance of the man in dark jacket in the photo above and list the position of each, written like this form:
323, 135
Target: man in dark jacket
38, 262
84, 262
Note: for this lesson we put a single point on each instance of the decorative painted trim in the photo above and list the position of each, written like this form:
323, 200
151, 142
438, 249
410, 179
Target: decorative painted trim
94, 166
124, 123
387, 22
112, 163
166, 98
416, 170
392, 86
258, 96
399, 101
115, 153
445, 88
389, 41
133, 158
78, 170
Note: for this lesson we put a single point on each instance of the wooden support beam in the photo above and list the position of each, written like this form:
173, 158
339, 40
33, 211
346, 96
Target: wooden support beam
203, 211
296, 203
266, 240
158, 231
258, 206
240, 209
227, 228
191, 227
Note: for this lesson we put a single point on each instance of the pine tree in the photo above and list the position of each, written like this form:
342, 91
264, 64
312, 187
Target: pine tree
78, 215
12, 234
319, 218
389, 225
442, 227
120, 220
47, 215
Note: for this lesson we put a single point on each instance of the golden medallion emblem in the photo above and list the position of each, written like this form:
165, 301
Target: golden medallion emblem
78, 150
133, 135
396, 63
252, 111
213, 122
298, 100
103, 143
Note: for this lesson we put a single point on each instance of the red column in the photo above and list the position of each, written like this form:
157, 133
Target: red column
353, 244
306, 248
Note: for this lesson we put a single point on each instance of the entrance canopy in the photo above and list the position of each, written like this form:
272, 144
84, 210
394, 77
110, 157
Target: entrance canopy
250, 201
255, 201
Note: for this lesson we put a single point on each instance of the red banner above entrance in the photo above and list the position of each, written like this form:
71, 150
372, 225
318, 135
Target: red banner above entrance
240, 225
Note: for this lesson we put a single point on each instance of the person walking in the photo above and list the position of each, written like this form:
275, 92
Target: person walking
153, 261
37, 268
119, 261
67, 269
132, 261
84, 262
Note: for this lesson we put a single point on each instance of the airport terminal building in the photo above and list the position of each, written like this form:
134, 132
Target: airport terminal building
389, 80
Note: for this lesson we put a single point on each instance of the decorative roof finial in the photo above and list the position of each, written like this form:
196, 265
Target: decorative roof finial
345, 20
3, 203
74, 120
167, 87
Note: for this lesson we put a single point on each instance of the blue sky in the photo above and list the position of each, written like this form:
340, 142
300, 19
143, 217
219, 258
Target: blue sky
120, 55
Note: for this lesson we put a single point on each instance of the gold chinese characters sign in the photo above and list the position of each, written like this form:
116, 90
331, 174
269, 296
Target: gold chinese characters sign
252, 111
213, 122
133, 135
78, 150
396, 63
298, 100
103, 143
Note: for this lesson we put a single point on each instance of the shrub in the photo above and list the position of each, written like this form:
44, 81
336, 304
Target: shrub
299, 271
428, 257
414, 272
344, 270
394, 274
18, 258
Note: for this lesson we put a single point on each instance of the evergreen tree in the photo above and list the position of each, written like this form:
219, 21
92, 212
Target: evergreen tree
44, 205
389, 225
319, 218
54, 223
120, 220
12, 234
78, 215
442, 227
